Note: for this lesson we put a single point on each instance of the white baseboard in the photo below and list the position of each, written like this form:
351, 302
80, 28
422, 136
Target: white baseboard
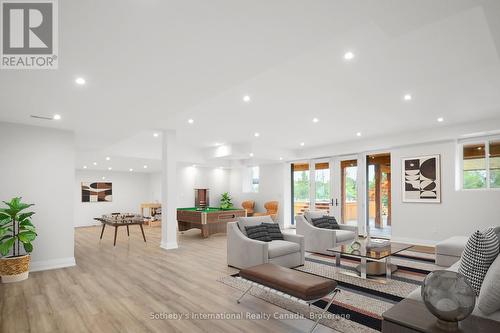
169, 245
44, 265
414, 241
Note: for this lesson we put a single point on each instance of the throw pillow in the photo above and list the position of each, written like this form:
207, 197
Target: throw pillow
480, 251
333, 222
321, 222
258, 232
274, 231
489, 296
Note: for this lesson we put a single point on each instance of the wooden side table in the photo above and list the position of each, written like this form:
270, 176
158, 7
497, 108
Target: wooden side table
411, 316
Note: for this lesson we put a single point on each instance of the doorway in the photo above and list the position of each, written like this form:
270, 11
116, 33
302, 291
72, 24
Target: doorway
378, 221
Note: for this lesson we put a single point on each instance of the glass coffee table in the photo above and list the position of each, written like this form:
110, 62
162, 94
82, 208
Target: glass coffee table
374, 253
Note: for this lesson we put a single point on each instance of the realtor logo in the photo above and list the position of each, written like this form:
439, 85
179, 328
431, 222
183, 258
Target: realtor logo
29, 34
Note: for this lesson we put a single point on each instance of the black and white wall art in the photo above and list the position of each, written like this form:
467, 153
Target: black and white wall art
422, 179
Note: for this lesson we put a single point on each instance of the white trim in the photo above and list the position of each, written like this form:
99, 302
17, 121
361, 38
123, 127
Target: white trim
169, 245
44, 265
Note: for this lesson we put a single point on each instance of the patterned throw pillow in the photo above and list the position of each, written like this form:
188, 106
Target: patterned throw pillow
333, 222
481, 250
274, 231
258, 232
325, 222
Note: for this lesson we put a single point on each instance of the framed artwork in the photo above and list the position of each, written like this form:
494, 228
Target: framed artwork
422, 179
97, 192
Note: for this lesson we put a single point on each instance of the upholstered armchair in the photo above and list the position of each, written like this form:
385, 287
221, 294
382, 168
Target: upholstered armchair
271, 210
318, 239
249, 206
243, 252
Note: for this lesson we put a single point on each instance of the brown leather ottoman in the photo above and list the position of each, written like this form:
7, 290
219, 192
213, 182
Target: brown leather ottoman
301, 285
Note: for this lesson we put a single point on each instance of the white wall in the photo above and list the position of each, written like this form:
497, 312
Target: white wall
271, 188
129, 191
459, 213
38, 165
189, 178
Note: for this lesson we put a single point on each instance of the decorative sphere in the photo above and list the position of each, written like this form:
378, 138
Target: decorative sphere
448, 295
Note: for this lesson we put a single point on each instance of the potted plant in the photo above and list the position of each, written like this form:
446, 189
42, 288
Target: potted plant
225, 201
15, 229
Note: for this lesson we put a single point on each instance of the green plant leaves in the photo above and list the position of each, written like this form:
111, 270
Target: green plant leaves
28, 247
5, 246
26, 236
11, 216
24, 216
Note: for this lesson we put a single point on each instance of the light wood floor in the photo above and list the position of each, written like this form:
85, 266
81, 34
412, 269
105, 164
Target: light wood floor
117, 289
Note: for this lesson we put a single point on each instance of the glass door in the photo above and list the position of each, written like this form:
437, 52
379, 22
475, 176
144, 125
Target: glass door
300, 188
378, 220
322, 186
349, 191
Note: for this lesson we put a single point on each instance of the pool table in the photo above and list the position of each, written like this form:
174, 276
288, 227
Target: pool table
209, 220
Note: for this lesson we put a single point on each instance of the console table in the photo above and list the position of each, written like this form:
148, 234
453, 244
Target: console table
411, 316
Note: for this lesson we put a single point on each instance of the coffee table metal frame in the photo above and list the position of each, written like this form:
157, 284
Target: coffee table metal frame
372, 267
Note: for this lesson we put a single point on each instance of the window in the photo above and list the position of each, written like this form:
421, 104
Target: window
481, 165
255, 179
251, 179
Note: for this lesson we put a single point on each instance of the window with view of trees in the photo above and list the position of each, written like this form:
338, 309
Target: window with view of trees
300, 187
322, 185
481, 165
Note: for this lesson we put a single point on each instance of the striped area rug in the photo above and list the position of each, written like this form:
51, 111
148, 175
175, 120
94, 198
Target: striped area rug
361, 302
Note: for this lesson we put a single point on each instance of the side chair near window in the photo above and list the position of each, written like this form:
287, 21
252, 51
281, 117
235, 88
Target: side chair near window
243, 252
318, 240
249, 206
121, 220
271, 210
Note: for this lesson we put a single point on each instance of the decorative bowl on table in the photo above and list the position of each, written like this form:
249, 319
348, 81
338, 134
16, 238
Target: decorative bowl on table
448, 296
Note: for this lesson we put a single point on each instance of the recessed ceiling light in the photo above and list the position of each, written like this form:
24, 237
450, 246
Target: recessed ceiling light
190, 121
145, 166
246, 99
108, 158
156, 135
85, 167
256, 134
95, 163
349, 56
57, 117
110, 168
302, 144
281, 158
358, 134
251, 154
440, 119
315, 120
80, 81
130, 169
407, 97
103, 177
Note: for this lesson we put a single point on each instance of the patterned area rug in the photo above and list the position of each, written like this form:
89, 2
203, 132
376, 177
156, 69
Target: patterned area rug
361, 302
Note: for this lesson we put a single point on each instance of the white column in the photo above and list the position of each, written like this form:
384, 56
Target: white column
169, 191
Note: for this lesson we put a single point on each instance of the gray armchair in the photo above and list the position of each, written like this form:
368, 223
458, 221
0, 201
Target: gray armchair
319, 240
243, 252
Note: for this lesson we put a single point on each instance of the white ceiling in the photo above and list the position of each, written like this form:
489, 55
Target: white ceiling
151, 65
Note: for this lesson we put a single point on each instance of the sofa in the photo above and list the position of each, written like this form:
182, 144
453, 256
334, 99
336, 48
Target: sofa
490, 290
243, 252
450, 250
318, 240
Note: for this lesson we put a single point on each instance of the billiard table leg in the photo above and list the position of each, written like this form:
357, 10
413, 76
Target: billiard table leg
128, 233
116, 230
102, 231
204, 231
142, 230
